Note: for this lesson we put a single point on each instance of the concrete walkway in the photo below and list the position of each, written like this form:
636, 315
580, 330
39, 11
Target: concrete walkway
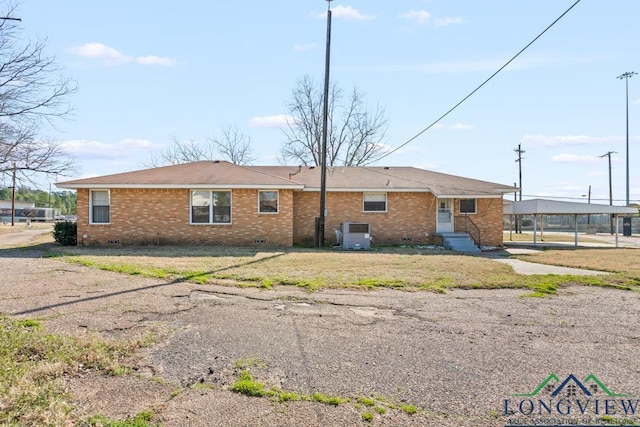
529, 268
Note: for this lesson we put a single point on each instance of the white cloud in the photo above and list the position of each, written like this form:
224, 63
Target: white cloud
574, 158
110, 56
636, 102
445, 22
595, 174
276, 121
461, 126
102, 52
101, 150
348, 13
564, 140
417, 16
155, 60
299, 47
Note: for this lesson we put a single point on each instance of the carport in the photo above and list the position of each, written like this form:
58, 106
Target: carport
538, 207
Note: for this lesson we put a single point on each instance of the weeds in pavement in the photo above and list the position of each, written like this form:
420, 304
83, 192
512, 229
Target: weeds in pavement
34, 363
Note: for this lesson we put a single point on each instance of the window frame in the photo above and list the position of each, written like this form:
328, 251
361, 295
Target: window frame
475, 207
92, 221
364, 203
211, 206
260, 211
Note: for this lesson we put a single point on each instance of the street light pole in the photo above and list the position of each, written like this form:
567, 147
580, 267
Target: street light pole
323, 155
626, 76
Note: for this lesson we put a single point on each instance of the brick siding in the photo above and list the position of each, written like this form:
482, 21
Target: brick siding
161, 216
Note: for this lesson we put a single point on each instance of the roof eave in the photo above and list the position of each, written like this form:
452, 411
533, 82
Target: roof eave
72, 186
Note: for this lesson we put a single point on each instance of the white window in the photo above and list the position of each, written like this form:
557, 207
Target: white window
99, 207
375, 202
467, 206
210, 207
267, 201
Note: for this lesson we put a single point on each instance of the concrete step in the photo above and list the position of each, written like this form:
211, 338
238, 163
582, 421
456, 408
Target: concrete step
460, 242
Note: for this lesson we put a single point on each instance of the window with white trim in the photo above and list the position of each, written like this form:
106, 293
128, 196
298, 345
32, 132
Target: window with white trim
267, 201
375, 202
467, 206
210, 207
99, 207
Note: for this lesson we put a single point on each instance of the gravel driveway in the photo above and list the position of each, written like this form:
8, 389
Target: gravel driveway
455, 356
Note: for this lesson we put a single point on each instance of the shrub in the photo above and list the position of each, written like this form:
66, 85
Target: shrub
65, 233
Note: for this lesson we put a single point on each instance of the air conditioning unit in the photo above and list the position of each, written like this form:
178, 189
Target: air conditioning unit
355, 235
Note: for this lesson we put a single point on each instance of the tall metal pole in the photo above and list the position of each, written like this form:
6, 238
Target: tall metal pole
13, 195
627, 76
608, 154
323, 154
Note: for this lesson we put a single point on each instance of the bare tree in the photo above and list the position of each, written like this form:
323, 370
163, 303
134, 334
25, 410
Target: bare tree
32, 95
31, 87
354, 132
234, 145
231, 145
181, 152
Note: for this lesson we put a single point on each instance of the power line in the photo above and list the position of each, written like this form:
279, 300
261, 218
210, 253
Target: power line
477, 88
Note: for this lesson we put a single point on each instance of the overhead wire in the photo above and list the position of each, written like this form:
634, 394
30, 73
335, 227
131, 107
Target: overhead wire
476, 89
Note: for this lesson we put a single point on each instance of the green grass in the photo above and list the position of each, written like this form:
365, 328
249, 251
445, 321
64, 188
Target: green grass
139, 420
34, 363
248, 386
395, 268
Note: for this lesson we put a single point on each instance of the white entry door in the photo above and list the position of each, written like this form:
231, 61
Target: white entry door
445, 216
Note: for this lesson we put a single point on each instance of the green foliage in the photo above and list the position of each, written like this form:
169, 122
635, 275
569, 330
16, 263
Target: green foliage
409, 409
64, 201
366, 401
65, 233
248, 386
367, 416
140, 420
327, 400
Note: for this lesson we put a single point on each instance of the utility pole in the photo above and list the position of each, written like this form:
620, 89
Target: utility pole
319, 235
520, 151
608, 154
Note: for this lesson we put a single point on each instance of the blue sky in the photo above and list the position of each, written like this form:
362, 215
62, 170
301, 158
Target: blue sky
149, 70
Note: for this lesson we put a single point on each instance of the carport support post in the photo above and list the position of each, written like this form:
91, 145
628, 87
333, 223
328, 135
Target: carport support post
535, 228
617, 229
575, 220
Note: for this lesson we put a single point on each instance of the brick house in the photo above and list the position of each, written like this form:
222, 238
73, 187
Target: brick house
216, 202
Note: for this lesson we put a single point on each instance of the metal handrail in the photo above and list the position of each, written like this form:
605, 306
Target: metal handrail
476, 229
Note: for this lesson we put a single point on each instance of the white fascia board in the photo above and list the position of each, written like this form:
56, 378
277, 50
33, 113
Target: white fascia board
469, 196
371, 190
182, 186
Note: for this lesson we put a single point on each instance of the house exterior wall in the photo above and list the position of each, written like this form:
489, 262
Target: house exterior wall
408, 219
488, 218
161, 216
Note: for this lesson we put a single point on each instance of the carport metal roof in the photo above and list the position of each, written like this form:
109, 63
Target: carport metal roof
554, 207
537, 207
